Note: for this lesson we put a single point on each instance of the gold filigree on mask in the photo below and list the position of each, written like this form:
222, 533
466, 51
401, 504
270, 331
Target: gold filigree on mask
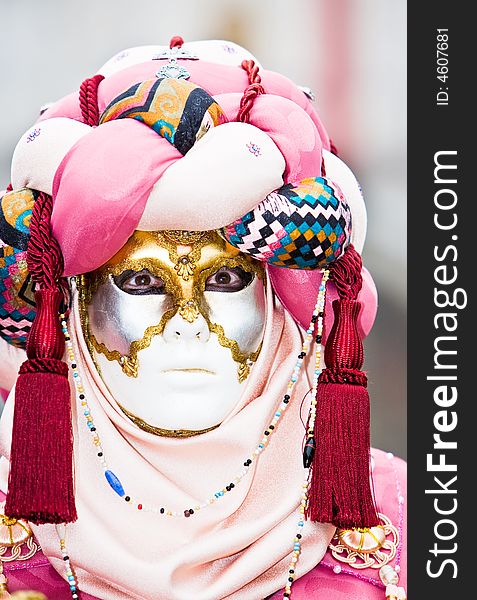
186, 298
172, 433
189, 310
184, 249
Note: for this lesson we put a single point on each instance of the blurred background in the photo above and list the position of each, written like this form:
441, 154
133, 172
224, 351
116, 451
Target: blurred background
351, 53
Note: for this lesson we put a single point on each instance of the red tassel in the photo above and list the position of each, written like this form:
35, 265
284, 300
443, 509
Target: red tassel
340, 491
40, 486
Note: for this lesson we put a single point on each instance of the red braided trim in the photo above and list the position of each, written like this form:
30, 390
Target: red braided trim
9, 187
253, 90
88, 99
44, 258
44, 365
346, 274
344, 376
176, 42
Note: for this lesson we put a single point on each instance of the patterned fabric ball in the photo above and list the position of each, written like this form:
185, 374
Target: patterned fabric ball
17, 306
304, 226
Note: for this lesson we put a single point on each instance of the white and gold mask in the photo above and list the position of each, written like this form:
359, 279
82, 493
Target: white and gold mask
174, 322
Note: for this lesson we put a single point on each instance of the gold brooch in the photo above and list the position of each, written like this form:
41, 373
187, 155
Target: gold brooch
16, 543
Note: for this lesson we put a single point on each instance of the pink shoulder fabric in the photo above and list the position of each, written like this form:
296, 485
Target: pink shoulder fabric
389, 476
37, 574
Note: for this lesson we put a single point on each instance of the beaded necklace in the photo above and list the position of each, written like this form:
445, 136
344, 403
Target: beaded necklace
116, 485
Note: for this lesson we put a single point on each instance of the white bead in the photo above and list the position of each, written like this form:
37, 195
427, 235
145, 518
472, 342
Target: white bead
389, 455
337, 569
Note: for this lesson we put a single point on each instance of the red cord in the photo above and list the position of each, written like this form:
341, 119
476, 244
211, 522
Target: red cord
88, 98
252, 91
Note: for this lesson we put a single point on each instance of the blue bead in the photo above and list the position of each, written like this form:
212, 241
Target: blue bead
114, 483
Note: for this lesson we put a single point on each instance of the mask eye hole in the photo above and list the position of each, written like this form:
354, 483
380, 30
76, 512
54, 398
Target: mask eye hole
228, 279
139, 283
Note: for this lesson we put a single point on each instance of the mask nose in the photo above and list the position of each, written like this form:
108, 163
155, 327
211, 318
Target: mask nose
178, 329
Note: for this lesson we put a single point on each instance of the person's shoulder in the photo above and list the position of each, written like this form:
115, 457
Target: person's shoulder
346, 574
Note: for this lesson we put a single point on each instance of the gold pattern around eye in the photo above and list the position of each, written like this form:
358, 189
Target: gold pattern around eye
189, 310
172, 433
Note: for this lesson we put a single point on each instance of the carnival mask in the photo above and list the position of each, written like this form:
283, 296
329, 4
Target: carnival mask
174, 322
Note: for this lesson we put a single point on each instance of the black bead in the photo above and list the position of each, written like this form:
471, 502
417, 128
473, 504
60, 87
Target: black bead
318, 339
227, 487
302, 355
266, 432
66, 558
232, 485
290, 579
272, 427
127, 498
81, 396
191, 511
286, 397
162, 511
286, 595
67, 338
309, 452
291, 571
73, 365
93, 429
321, 313
100, 454
298, 535
314, 318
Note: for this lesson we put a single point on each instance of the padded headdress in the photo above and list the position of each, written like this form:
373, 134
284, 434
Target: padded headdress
225, 148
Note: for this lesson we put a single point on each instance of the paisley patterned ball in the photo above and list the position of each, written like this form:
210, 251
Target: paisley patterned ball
303, 226
17, 307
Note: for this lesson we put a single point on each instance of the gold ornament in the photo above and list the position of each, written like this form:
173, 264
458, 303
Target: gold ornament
16, 543
189, 310
372, 547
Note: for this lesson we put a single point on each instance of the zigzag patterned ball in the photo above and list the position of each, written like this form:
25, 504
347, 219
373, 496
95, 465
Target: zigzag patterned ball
17, 307
305, 226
